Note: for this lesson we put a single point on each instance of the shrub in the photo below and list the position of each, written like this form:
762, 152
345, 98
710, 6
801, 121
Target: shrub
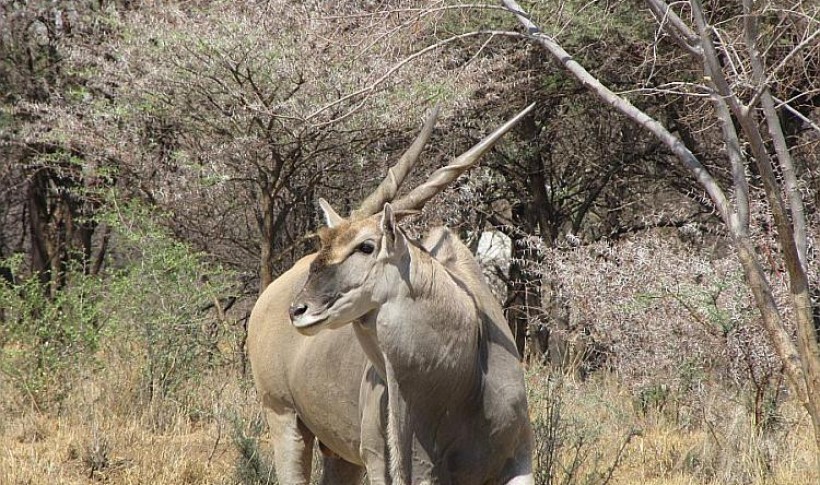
569, 448
672, 316
160, 296
44, 337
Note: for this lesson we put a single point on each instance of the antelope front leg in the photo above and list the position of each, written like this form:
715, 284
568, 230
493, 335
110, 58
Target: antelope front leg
292, 447
373, 448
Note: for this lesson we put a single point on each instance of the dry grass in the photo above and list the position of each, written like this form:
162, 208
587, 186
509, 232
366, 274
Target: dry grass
104, 433
90, 442
712, 444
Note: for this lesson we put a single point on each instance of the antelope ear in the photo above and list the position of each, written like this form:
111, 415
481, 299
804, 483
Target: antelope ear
331, 217
394, 239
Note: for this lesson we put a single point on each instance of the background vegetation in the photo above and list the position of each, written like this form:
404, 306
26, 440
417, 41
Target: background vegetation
160, 161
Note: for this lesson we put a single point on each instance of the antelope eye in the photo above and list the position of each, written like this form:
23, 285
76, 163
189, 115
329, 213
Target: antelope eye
366, 247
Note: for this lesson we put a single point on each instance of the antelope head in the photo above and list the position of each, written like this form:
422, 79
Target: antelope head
341, 286
350, 275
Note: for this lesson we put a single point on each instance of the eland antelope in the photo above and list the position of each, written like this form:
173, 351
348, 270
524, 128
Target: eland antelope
435, 334
335, 386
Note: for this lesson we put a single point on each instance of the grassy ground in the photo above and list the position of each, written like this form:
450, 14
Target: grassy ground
102, 434
613, 438
591, 432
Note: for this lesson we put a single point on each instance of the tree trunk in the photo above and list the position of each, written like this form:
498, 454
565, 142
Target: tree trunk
523, 307
515, 308
266, 241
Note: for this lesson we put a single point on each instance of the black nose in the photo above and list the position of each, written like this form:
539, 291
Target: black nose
296, 310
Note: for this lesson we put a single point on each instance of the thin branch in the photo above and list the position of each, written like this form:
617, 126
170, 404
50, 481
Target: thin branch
722, 100
780, 65
375, 84
785, 104
737, 161
624, 106
667, 88
480, 49
731, 56
682, 34
776, 132
424, 13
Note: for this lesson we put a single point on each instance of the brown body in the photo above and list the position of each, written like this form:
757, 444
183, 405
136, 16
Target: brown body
302, 397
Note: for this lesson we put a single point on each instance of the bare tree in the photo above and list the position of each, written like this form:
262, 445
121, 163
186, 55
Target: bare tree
740, 83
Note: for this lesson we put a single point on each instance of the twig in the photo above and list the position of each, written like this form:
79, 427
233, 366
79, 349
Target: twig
375, 84
784, 104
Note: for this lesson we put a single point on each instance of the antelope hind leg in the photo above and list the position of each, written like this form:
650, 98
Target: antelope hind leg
522, 480
519, 469
292, 447
521, 473
336, 471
